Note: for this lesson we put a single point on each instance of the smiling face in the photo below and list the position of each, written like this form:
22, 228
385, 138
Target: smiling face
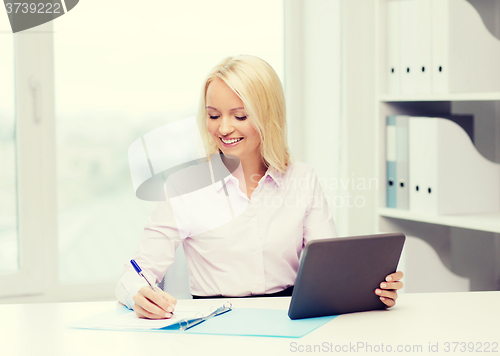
227, 122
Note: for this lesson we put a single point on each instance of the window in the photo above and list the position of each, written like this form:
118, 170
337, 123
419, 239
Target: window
9, 240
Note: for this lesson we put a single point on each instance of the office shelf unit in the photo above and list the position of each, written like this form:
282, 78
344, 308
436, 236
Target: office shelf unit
468, 245
493, 96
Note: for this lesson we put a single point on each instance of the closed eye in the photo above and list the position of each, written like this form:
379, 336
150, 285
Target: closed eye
213, 117
241, 117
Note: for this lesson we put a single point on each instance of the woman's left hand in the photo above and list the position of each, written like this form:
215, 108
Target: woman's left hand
388, 291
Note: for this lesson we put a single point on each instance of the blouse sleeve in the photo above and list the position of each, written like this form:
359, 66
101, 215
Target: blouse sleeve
318, 220
155, 254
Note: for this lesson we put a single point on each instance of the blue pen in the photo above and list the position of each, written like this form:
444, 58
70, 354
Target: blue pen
139, 272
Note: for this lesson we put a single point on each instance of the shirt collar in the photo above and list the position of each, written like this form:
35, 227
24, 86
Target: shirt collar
218, 184
275, 175
271, 172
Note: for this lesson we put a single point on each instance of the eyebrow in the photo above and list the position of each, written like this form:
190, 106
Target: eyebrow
210, 107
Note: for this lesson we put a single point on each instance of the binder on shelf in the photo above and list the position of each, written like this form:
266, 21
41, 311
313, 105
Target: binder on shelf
440, 42
423, 52
447, 174
440, 46
465, 55
398, 167
402, 192
393, 47
408, 46
391, 157
397, 162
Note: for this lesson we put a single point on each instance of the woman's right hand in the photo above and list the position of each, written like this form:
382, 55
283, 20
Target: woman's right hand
153, 305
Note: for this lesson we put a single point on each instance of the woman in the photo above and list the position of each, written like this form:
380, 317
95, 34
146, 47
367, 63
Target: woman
241, 113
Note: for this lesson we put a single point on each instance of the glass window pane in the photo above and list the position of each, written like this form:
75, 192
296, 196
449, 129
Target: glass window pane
9, 243
123, 68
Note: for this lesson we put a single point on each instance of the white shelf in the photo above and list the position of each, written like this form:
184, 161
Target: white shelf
440, 97
481, 222
415, 105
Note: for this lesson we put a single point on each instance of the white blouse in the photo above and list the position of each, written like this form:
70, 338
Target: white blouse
256, 252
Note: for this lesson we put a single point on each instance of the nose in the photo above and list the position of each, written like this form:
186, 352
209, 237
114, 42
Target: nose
226, 127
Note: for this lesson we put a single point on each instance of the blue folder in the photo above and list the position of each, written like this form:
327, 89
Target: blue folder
239, 321
402, 169
391, 162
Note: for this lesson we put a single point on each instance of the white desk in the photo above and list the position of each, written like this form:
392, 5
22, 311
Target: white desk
417, 319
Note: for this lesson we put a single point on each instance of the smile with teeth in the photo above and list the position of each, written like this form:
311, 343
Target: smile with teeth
227, 142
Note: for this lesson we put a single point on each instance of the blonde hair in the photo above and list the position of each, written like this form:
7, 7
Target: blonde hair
260, 89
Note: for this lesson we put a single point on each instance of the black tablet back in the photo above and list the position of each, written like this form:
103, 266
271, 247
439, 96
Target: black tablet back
340, 275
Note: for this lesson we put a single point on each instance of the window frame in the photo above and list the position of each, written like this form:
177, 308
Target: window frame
35, 149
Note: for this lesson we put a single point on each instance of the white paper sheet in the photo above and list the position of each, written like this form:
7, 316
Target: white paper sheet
131, 321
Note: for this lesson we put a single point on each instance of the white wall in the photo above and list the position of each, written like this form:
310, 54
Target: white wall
313, 87
330, 73
359, 102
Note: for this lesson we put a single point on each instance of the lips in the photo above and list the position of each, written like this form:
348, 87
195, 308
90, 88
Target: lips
231, 142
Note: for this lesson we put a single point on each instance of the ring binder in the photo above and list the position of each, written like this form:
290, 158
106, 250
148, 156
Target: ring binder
183, 318
227, 306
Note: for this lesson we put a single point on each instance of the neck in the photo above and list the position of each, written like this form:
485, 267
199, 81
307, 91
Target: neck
251, 169
254, 170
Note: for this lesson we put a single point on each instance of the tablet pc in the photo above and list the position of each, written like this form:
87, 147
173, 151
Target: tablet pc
340, 275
